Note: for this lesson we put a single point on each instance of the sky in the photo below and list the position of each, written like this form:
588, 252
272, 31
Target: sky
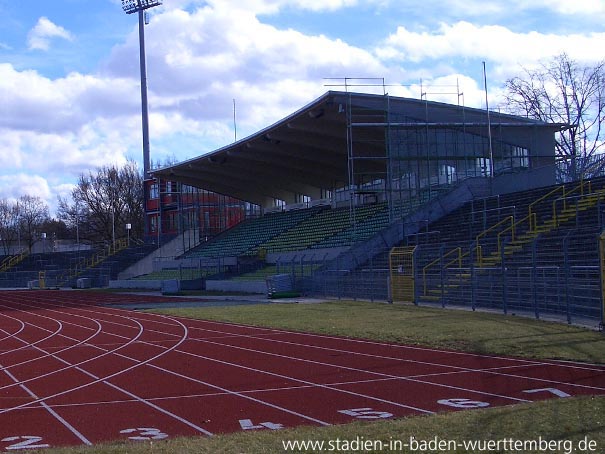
70, 84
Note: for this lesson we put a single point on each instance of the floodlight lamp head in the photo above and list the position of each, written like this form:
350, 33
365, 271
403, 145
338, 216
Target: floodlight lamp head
134, 6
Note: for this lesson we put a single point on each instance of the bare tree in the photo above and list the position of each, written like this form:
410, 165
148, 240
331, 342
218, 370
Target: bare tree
32, 213
562, 91
104, 202
9, 226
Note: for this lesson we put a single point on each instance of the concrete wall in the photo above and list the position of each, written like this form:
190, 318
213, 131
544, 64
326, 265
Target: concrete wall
259, 287
169, 250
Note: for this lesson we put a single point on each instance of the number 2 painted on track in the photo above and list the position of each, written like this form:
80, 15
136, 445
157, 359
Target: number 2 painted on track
27, 442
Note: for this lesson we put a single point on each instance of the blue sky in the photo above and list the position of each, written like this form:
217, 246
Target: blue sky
69, 81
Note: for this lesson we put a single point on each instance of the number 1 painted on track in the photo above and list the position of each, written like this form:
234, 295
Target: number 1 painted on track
555, 391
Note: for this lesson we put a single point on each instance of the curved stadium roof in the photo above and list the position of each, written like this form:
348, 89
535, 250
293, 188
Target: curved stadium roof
308, 150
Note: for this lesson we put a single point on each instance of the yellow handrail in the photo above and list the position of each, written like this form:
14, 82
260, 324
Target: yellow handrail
13, 260
598, 195
545, 196
565, 194
87, 263
458, 259
510, 219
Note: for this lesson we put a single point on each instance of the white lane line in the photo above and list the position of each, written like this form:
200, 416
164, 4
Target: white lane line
41, 400
58, 417
365, 396
461, 369
565, 363
69, 347
49, 336
432, 384
9, 335
485, 393
49, 354
491, 370
136, 398
178, 323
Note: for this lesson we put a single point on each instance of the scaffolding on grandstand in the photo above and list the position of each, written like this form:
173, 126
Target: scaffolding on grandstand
417, 159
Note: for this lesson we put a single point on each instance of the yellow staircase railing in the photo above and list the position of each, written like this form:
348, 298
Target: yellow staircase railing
584, 201
90, 262
13, 260
561, 212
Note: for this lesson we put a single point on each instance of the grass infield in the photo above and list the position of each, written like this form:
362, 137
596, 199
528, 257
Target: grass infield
572, 422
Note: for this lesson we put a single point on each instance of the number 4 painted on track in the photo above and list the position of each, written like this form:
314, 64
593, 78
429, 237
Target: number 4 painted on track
463, 403
246, 424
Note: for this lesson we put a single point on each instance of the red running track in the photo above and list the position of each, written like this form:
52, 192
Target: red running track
75, 372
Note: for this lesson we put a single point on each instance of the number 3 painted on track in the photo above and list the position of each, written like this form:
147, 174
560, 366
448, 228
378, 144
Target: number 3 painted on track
145, 433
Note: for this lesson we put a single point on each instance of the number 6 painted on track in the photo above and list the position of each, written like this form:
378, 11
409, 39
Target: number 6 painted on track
463, 403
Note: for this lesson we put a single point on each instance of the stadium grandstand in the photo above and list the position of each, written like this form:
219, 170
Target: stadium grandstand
384, 198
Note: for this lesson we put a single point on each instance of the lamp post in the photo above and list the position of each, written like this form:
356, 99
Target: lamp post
128, 227
139, 6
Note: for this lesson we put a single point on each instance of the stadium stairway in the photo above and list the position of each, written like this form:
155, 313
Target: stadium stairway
63, 269
552, 215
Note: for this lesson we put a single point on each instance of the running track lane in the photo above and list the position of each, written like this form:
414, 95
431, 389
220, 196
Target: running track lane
73, 372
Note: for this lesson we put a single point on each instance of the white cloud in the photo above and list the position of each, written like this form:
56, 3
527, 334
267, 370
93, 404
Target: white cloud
40, 36
198, 62
576, 7
274, 6
509, 9
494, 42
16, 185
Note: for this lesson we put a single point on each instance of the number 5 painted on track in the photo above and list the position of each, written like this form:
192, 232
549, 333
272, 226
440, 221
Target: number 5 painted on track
27, 442
366, 413
463, 403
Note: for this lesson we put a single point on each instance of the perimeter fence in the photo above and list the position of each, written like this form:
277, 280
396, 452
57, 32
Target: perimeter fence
557, 275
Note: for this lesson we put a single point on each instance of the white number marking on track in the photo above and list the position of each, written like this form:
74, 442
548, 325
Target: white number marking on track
27, 442
366, 413
555, 391
145, 433
463, 403
246, 424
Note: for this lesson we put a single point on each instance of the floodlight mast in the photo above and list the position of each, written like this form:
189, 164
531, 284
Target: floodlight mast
139, 6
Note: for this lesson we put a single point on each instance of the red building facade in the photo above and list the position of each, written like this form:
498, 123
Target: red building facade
172, 208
